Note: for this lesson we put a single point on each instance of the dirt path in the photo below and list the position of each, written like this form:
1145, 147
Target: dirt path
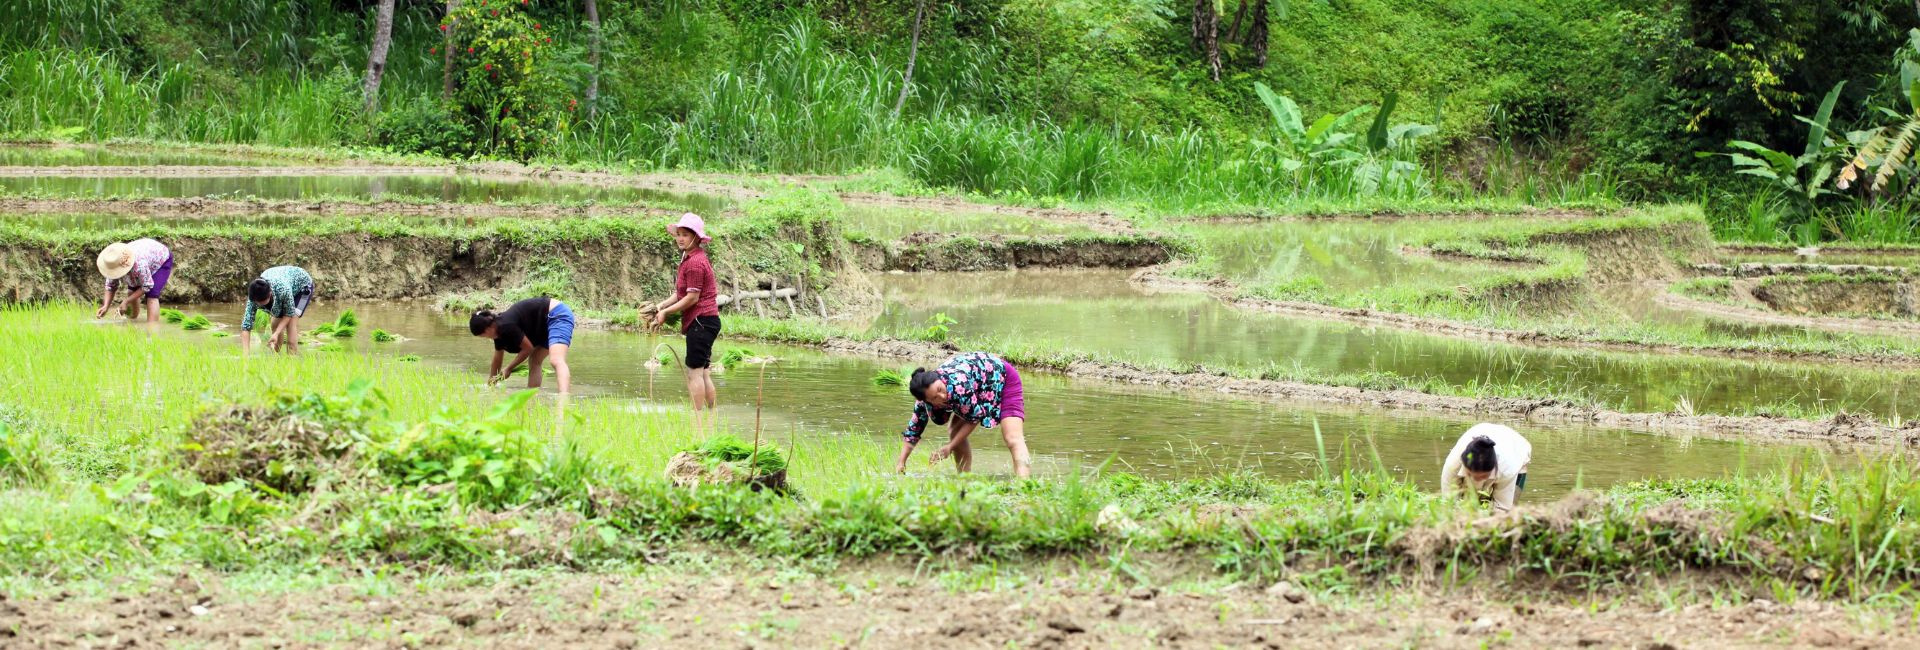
201, 207
206, 171
1762, 317
690, 608
1156, 278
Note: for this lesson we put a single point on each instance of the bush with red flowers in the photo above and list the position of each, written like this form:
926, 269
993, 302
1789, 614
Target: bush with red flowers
508, 85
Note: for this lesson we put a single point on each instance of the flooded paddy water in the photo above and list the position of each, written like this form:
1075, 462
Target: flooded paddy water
1101, 312
1073, 424
1083, 423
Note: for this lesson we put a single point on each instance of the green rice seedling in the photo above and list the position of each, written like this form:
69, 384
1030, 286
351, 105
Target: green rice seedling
383, 336
173, 316
734, 355
323, 329
346, 319
408, 358
888, 378
343, 332
196, 323
221, 335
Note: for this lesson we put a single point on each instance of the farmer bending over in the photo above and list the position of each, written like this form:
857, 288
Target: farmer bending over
971, 390
284, 293
143, 266
1489, 459
535, 330
696, 292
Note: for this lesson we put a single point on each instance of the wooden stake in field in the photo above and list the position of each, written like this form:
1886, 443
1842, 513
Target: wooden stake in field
760, 397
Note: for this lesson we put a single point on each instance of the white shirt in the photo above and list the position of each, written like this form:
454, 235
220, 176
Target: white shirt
1511, 454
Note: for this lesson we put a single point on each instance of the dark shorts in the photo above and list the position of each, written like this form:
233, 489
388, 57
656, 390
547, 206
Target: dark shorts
700, 337
1013, 400
160, 277
301, 299
1520, 483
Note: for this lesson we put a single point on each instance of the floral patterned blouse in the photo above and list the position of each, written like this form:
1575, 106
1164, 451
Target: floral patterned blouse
974, 384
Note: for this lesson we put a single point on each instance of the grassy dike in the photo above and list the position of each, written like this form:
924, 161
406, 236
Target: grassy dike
104, 472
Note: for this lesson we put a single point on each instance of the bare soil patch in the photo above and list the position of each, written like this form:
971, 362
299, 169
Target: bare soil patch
220, 171
1765, 317
203, 207
886, 609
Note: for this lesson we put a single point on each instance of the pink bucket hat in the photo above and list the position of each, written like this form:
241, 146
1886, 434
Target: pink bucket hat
692, 222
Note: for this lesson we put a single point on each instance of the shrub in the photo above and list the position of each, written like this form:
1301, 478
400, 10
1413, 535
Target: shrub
506, 90
425, 125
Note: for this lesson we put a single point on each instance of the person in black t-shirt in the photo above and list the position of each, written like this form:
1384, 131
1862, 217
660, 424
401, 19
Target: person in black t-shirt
535, 330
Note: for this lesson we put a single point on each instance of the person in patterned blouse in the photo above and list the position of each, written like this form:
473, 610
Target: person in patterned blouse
975, 389
142, 267
284, 292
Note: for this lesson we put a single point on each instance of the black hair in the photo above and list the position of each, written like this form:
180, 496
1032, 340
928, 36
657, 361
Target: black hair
922, 380
259, 290
1479, 455
481, 320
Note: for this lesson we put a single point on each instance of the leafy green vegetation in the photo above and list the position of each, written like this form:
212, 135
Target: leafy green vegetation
196, 322
383, 336
382, 472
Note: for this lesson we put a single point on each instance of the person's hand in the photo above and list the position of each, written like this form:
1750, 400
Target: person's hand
939, 455
100, 313
494, 379
657, 322
900, 467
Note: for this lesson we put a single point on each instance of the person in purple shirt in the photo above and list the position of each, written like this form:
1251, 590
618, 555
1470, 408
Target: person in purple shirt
142, 267
972, 390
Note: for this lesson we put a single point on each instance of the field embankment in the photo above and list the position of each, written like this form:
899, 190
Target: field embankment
596, 261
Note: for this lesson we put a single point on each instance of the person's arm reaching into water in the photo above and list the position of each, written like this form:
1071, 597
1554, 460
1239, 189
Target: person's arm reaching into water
1450, 474
961, 429
493, 370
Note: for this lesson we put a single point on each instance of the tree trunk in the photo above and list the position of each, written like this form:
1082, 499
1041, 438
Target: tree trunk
377, 57
1233, 30
1257, 33
913, 55
446, 68
1206, 35
593, 58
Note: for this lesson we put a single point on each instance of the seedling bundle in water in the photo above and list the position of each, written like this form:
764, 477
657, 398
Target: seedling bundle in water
197, 322
173, 316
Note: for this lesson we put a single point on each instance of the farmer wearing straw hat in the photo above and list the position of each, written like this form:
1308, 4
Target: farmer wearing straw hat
143, 266
695, 292
284, 293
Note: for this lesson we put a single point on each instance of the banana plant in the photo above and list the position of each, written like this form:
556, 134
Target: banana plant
1887, 151
1332, 141
1803, 177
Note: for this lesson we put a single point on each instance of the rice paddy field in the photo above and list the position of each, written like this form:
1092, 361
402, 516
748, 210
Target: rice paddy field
1259, 266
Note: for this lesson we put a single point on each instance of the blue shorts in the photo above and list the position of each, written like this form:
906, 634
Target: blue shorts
559, 325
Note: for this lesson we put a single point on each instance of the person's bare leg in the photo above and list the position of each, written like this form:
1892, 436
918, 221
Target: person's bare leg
558, 355
712, 394
153, 310
963, 456
696, 394
1014, 431
534, 373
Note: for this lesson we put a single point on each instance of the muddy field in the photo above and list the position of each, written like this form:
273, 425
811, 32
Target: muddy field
686, 606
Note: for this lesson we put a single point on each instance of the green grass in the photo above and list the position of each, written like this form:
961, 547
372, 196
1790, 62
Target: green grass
585, 487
